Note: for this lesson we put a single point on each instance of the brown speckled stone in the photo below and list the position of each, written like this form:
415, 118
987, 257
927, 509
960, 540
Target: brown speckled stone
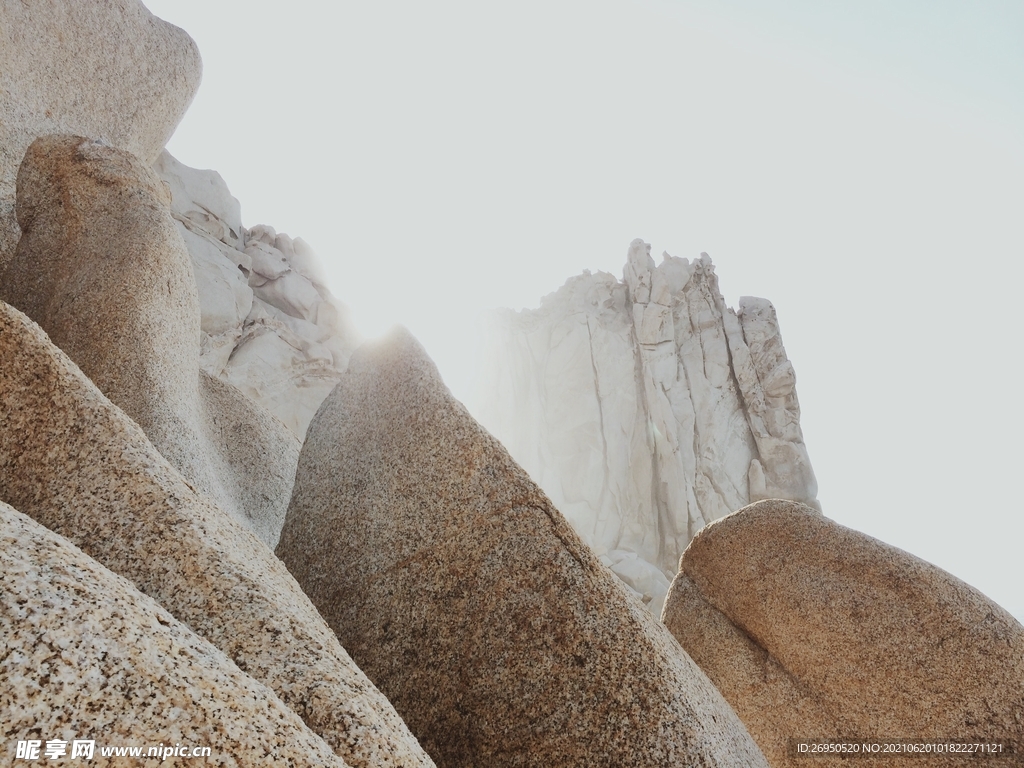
469, 600
79, 466
87, 656
811, 629
110, 70
102, 268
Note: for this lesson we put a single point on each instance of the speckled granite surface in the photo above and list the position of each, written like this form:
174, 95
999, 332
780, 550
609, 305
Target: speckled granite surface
102, 268
76, 464
109, 70
811, 629
469, 600
87, 656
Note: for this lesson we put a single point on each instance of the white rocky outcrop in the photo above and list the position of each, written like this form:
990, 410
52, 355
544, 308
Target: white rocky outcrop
270, 326
645, 408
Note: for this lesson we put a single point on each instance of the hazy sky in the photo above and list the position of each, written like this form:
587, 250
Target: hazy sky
859, 163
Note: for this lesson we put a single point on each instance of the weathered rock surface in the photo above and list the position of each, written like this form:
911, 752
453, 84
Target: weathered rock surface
78, 465
111, 71
470, 601
87, 656
813, 630
646, 408
102, 268
269, 324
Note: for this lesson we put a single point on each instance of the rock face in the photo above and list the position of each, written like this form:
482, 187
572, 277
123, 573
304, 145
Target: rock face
813, 630
78, 465
469, 600
101, 267
270, 326
646, 408
108, 70
86, 656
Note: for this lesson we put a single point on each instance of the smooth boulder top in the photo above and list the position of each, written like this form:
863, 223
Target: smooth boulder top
102, 268
77, 464
814, 630
468, 599
87, 656
108, 70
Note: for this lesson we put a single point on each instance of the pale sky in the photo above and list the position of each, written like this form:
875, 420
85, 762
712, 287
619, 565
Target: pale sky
859, 163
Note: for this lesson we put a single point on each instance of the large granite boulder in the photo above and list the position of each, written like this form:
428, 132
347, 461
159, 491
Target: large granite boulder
106, 69
269, 324
87, 656
469, 600
77, 464
646, 407
813, 630
102, 268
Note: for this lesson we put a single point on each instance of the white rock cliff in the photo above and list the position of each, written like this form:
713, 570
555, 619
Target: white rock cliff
270, 326
646, 408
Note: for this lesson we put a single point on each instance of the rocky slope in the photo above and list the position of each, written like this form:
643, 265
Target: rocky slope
645, 408
96, 231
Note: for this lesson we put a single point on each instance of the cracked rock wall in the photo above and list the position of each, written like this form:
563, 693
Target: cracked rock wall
646, 408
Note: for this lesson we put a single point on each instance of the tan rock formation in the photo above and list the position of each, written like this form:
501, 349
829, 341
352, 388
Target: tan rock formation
102, 268
813, 630
108, 70
87, 656
76, 464
470, 601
